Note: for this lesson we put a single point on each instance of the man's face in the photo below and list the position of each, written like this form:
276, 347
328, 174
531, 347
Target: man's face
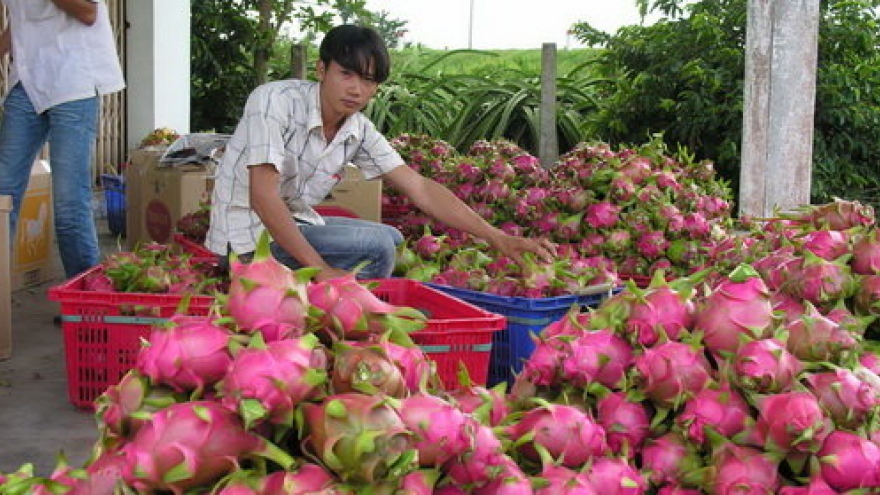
344, 92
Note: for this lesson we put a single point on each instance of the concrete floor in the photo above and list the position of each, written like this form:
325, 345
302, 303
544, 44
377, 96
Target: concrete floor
37, 421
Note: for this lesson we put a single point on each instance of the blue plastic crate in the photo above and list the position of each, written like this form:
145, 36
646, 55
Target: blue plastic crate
114, 194
525, 316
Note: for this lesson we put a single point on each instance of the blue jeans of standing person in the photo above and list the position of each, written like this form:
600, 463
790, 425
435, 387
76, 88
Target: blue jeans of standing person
345, 243
70, 128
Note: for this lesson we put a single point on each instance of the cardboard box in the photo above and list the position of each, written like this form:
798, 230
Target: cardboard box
357, 195
33, 256
156, 197
5, 285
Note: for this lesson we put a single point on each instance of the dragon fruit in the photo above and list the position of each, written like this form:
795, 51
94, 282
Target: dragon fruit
672, 372
367, 370
190, 444
866, 253
359, 437
659, 311
615, 476
847, 399
826, 244
599, 356
266, 381
602, 215
816, 486
545, 364
739, 306
626, 423
652, 244
510, 480
560, 480
867, 297
481, 464
792, 421
488, 405
567, 433
765, 366
814, 337
120, 410
849, 461
191, 353
669, 458
742, 469
440, 430
719, 409
837, 215
821, 281
350, 311
306, 479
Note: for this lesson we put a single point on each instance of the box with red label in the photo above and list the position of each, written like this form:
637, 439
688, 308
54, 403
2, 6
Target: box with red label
156, 197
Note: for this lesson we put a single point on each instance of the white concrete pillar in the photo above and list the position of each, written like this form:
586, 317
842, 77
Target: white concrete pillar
157, 67
779, 99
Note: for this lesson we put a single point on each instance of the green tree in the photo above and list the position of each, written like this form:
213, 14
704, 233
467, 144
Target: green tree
683, 76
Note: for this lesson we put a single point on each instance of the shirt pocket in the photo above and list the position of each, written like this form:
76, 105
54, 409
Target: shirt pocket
39, 10
321, 184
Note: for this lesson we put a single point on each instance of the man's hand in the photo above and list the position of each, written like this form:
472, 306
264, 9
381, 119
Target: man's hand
84, 11
515, 247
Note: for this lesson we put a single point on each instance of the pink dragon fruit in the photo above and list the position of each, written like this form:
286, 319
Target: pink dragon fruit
567, 433
787, 305
350, 311
871, 361
190, 444
659, 311
826, 244
739, 306
615, 476
814, 337
672, 372
267, 381
821, 281
847, 399
765, 366
305, 480
721, 410
560, 480
866, 253
488, 405
440, 430
669, 458
867, 297
652, 244
816, 486
677, 490
602, 215
266, 296
741, 469
359, 437
599, 356
544, 366
191, 353
120, 410
837, 215
777, 268
510, 480
626, 423
792, 421
415, 367
849, 461
103, 475
367, 370
481, 464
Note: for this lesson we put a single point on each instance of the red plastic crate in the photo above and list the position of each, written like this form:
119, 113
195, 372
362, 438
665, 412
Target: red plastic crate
103, 331
456, 331
192, 247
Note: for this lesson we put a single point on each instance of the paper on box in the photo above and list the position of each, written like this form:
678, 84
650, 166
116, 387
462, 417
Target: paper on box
32, 260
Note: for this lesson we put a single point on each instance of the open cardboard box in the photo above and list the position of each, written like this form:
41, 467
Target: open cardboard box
33, 255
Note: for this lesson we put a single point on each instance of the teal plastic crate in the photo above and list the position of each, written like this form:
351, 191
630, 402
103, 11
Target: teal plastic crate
525, 316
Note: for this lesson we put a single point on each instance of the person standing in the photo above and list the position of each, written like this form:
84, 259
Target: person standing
63, 58
288, 152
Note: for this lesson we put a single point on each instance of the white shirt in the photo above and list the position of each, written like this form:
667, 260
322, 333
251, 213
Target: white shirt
282, 126
58, 59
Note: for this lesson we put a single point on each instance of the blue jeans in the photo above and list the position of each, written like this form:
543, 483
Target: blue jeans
346, 242
70, 128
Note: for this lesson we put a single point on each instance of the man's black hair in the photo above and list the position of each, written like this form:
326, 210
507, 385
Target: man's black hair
357, 48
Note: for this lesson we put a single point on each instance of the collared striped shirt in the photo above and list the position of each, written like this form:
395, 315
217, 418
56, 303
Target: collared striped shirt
282, 126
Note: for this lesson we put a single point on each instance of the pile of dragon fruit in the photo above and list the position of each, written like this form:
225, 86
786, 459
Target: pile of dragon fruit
631, 211
155, 268
756, 379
